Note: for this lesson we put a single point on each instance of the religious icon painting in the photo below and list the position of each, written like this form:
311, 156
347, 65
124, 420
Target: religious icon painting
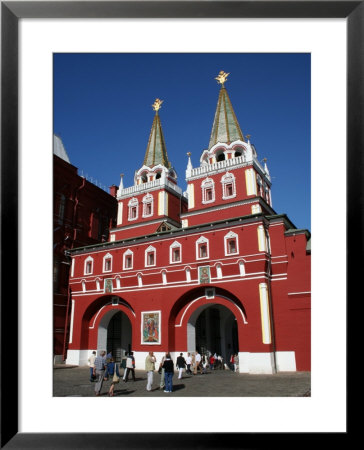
204, 274
108, 285
151, 323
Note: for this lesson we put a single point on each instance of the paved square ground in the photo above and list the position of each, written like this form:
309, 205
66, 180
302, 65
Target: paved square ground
69, 381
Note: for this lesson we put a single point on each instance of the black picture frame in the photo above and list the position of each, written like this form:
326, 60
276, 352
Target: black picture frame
11, 13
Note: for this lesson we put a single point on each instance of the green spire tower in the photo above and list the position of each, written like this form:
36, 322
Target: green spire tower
156, 152
225, 128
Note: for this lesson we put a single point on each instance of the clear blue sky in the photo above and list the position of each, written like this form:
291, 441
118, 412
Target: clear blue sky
103, 113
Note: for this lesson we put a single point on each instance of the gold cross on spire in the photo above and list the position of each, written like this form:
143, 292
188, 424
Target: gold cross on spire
157, 104
221, 78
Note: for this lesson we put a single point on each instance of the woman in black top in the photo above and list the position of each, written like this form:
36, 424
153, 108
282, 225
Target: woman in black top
168, 367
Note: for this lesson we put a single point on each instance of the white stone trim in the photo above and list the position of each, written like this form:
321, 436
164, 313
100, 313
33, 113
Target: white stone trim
256, 363
286, 361
265, 313
120, 213
72, 321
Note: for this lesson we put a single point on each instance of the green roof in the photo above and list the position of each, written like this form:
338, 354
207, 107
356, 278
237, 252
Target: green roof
225, 128
156, 152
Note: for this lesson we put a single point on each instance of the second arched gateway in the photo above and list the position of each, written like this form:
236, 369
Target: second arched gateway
214, 269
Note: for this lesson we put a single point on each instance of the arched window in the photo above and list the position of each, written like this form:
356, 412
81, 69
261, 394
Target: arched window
228, 186
107, 263
128, 260
150, 256
208, 191
231, 244
175, 253
148, 205
202, 248
89, 266
133, 209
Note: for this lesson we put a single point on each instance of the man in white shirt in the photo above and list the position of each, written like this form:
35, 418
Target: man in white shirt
198, 363
91, 363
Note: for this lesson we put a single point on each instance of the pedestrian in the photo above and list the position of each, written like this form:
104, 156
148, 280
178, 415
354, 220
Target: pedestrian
99, 371
112, 370
193, 362
150, 367
198, 363
91, 363
108, 357
221, 365
236, 362
161, 372
212, 362
188, 363
130, 367
204, 363
180, 364
232, 362
168, 373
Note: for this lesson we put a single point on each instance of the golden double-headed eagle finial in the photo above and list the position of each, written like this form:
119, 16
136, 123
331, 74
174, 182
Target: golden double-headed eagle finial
157, 104
222, 77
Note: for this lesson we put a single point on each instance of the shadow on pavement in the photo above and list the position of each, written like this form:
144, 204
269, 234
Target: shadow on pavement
120, 392
177, 387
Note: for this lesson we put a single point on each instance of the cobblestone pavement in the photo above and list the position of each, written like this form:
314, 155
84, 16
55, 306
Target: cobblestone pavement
73, 381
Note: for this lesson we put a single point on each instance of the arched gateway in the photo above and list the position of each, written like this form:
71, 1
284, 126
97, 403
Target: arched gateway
209, 320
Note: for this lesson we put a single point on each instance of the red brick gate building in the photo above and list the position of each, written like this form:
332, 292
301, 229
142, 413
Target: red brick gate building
214, 269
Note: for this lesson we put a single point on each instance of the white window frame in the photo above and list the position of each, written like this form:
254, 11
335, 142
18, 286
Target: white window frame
133, 203
87, 260
148, 200
227, 179
175, 245
227, 237
149, 250
128, 253
202, 240
208, 183
105, 258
